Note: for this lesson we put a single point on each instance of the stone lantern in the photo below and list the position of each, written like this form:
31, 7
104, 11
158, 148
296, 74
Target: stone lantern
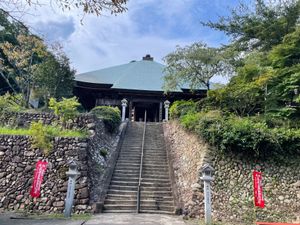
124, 105
167, 105
72, 174
207, 172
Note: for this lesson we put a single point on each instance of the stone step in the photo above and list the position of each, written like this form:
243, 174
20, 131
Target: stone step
155, 165
152, 189
127, 168
129, 160
119, 207
127, 179
125, 183
147, 174
157, 202
117, 196
159, 198
158, 207
152, 184
122, 187
120, 211
155, 194
131, 202
157, 212
124, 173
155, 180
122, 192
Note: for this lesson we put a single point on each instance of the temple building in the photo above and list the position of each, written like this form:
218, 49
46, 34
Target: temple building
134, 87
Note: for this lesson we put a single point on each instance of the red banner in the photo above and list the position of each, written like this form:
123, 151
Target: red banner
38, 178
258, 190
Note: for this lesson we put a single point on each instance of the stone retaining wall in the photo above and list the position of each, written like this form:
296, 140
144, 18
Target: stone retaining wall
18, 160
17, 164
232, 193
24, 119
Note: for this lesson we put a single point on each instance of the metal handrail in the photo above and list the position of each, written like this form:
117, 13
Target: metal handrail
141, 165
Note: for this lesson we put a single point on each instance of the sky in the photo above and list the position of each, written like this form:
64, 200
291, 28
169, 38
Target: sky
153, 27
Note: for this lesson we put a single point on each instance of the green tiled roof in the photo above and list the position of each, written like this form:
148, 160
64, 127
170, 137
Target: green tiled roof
136, 75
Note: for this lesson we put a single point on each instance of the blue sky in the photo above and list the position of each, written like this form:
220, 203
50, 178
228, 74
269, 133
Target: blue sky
153, 27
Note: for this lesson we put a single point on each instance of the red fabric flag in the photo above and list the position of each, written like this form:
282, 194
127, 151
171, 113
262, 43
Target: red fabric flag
38, 178
258, 189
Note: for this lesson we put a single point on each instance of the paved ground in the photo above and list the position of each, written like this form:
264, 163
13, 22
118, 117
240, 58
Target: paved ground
101, 219
134, 219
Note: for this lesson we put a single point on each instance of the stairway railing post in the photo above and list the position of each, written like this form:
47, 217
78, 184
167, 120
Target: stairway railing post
141, 166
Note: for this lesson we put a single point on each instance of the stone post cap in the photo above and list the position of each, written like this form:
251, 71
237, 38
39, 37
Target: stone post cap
207, 171
124, 102
72, 164
167, 104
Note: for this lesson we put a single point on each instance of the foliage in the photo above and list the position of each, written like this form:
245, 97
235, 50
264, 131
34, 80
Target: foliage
259, 26
258, 111
55, 130
243, 135
88, 7
103, 152
66, 109
181, 107
110, 116
10, 103
29, 67
22, 61
41, 137
60, 83
193, 65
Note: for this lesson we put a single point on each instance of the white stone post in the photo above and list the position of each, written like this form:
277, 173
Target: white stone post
167, 105
124, 105
72, 174
207, 178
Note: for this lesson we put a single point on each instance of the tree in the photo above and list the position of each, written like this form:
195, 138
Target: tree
261, 28
23, 59
194, 65
54, 78
90, 7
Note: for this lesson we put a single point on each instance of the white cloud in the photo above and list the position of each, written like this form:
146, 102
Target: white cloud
111, 40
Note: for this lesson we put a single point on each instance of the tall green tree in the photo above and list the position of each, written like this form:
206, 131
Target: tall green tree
54, 78
193, 65
23, 59
261, 25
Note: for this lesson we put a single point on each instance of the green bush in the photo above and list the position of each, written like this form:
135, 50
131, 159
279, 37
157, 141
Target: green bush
66, 109
257, 136
180, 108
41, 137
109, 115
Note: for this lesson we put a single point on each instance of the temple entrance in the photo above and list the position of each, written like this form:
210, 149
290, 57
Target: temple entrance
138, 111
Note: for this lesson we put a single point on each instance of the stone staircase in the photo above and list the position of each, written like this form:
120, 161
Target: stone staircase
156, 194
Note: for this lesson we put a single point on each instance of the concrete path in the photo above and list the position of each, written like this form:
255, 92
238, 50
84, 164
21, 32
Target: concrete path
6, 219
100, 219
134, 219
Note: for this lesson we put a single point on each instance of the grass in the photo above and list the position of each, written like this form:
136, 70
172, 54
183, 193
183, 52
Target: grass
56, 131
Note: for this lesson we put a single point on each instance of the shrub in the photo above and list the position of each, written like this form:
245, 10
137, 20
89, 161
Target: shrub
180, 108
66, 109
41, 137
109, 115
103, 152
254, 136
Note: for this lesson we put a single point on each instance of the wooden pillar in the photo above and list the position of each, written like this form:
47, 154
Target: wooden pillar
160, 111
